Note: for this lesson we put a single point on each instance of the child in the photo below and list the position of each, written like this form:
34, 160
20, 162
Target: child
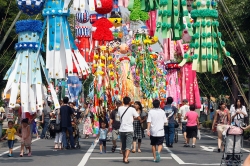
10, 133
102, 136
26, 137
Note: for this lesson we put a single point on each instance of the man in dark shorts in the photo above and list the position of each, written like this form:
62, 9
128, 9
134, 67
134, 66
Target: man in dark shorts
155, 129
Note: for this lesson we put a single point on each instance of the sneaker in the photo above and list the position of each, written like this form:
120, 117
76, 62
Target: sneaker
100, 152
158, 157
186, 145
170, 145
9, 155
218, 150
193, 146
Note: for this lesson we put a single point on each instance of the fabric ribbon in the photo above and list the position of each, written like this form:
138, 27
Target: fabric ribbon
151, 22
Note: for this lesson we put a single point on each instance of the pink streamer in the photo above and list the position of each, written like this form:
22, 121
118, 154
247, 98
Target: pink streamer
151, 22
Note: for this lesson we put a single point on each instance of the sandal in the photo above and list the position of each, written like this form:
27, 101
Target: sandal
139, 150
125, 162
21, 155
114, 148
133, 151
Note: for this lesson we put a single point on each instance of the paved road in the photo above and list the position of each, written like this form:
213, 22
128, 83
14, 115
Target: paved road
44, 155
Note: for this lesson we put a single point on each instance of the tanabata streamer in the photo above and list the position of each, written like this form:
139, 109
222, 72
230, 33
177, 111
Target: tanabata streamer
25, 72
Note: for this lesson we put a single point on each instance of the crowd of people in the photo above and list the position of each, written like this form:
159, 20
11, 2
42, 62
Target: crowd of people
125, 122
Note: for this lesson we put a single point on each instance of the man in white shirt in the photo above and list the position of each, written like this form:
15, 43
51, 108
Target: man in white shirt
127, 115
182, 112
155, 130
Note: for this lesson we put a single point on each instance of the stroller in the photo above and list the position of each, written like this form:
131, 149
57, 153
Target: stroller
76, 134
233, 142
50, 133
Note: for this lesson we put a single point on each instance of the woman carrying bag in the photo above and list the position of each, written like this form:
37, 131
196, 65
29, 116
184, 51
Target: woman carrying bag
238, 113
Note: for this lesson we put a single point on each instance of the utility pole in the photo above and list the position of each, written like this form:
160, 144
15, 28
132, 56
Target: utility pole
9, 30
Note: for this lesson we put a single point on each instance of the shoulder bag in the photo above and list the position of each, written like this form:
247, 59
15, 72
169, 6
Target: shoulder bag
124, 112
144, 124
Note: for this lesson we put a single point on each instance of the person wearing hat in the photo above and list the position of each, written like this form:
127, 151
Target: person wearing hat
114, 124
182, 112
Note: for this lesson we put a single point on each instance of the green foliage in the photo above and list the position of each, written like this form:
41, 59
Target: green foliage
3, 132
207, 124
246, 134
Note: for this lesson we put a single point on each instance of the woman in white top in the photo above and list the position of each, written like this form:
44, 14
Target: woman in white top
238, 112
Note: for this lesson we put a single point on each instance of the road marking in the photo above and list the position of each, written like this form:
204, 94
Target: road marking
208, 148
245, 150
6, 152
177, 159
120, 158
87, 154
200, 164
210, 136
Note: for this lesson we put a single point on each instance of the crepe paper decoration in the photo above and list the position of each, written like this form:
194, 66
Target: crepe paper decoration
103, 6
30, 7
123, 3
173, 86
136, 13
78, 6
25, 71
172, 66
170, 19
189, 84
74, 87
61, 51
207, 47
102, 31
149, 5
83, 17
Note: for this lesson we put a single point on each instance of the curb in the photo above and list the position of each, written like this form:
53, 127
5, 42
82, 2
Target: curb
245, 142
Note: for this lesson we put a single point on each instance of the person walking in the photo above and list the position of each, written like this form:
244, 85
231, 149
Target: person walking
114, 124
58, 134
127, 115
102, 136
193, 124
65, 117
138, 132
87, 125
45, 119
182, 112
238, 113
170, 112
25, 137
155, 129
222, 120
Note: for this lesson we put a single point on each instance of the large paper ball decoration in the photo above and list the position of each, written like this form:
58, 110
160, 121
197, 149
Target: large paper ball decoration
82, 17
103, 6
30, 7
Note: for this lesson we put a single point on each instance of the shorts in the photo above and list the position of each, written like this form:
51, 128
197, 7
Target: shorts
11, 144
126, 139
184, 127
192, 131
115, 134
102, 142
156, 140
221, 128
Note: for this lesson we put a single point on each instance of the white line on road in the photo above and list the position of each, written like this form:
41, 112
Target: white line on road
120, 158
200, 164
17, 147
87, 154
177, 159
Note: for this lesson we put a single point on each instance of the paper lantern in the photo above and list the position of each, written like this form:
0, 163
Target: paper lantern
30, 7
83, 17
123, 48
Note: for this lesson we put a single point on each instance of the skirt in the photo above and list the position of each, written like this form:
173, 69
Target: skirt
138, 132
87, 126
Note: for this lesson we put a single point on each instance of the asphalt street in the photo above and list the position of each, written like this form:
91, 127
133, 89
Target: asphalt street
43, 154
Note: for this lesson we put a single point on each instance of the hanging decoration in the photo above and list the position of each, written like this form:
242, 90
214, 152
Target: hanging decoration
25, 72
31, 7
207, 47
61, 51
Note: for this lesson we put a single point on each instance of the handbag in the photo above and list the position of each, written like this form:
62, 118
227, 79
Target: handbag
57, 127
144, 124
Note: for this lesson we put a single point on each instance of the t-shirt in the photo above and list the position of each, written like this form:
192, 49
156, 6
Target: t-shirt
157, 118
170, 111
103, 133
65, 113
11, 133
46, 112
127, 119
116, 119
183, 110
238, 119
192, 118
